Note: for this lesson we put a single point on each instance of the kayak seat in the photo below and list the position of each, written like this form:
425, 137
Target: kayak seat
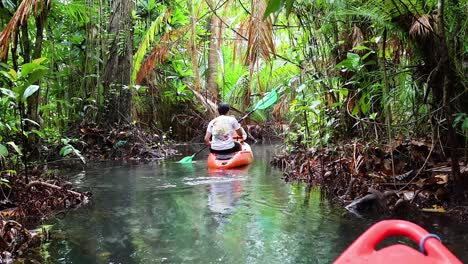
224, 156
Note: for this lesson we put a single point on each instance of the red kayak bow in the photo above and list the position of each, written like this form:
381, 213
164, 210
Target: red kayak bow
431, 250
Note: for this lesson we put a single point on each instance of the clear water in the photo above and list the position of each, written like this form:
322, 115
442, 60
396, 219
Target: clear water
181, 213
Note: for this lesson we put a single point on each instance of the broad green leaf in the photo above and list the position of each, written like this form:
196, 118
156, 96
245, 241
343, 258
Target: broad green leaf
64, 151
151, 5
3, 150
37, 75
273, 6
355, 110
350, 63
8, 93
458, 118
344, 92
28, 68
39, 61
15, 147
30, 91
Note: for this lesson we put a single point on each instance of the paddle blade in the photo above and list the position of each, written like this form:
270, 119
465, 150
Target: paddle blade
268, 100
187, 159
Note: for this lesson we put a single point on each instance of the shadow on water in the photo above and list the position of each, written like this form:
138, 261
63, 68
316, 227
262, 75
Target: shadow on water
182, 213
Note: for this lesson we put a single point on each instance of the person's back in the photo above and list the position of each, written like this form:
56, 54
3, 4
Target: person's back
221, 130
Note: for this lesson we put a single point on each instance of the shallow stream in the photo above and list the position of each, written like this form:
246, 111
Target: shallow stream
167, 212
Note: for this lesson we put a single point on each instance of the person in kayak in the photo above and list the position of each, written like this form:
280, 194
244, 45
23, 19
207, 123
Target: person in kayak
221, 130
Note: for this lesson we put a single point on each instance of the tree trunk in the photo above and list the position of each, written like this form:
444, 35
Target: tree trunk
116, 79
193, 46
33, 100
213, 57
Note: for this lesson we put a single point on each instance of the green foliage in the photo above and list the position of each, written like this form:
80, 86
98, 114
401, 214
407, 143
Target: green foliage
461, 122
329, 68
23, 82
68, 149
156, 29
3, 151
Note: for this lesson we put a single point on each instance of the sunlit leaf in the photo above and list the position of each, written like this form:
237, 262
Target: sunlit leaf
30, 91
5, 182
8, 93
39, 61
15, 147
32, 122
64, 151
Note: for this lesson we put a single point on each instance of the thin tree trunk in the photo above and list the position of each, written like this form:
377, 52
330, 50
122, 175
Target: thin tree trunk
213, 57
193, 47
33, 100
25, 43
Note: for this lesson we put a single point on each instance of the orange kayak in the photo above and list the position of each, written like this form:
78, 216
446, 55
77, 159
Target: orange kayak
431, 250
232, 160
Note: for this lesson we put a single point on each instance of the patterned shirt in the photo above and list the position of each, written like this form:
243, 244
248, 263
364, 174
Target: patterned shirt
222, 128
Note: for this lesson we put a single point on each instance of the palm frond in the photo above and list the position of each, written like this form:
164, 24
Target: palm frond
421, 26
237, 43
148, 39
260, 35
159, 52
19, 18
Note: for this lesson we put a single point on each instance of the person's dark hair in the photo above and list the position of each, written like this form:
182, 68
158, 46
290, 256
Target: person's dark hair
223, 108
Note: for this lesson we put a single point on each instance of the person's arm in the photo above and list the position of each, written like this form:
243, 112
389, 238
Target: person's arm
207, 138
239, 130
209, 132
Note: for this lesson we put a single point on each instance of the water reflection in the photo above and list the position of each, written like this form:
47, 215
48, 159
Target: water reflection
225, 189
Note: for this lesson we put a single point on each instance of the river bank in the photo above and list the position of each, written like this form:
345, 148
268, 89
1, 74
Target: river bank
410, 177
36, 192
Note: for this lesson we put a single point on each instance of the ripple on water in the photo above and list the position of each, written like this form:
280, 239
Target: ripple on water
209, 180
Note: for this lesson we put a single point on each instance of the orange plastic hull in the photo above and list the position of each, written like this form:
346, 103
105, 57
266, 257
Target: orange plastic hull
240, 158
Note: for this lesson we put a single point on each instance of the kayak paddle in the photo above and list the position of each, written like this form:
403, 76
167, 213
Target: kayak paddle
189, 159
268, 100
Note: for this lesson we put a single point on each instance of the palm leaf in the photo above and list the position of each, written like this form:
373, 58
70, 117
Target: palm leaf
421, 26
19, 18
159, 52
147, 41
260, 35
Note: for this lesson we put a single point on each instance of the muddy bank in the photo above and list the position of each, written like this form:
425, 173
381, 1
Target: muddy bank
25, 203
123, 143
30, 196
408, 177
